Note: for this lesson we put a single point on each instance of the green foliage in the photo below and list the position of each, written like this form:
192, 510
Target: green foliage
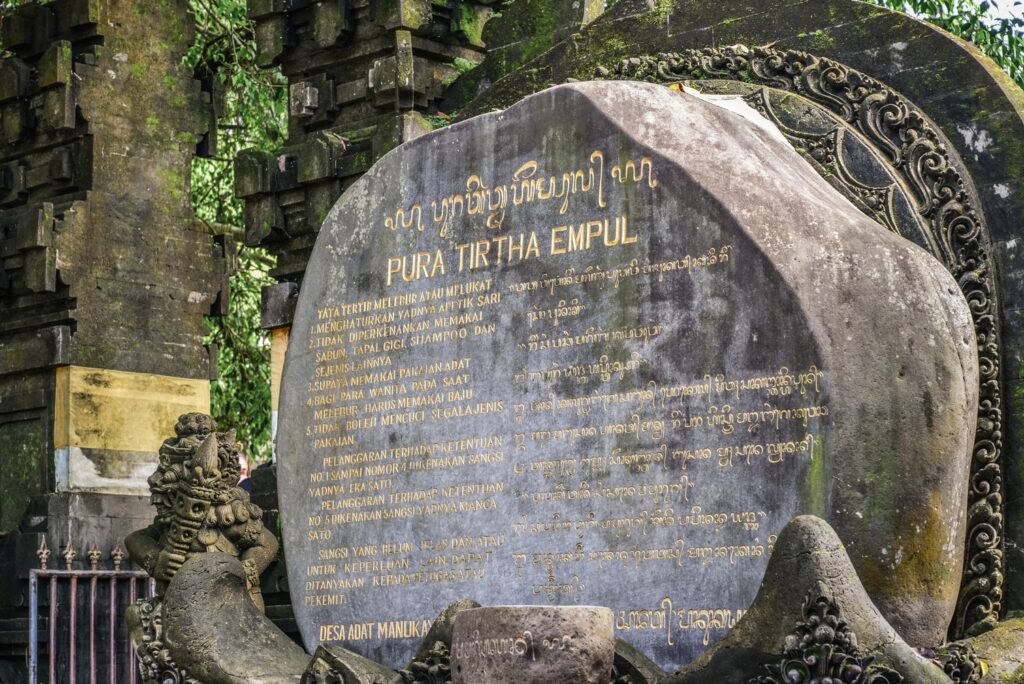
1000, 38
253, 113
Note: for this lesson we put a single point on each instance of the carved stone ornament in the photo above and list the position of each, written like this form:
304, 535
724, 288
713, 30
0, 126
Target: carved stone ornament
155, 662
917, 154
200, 507
435, 668
823, 649
959, 661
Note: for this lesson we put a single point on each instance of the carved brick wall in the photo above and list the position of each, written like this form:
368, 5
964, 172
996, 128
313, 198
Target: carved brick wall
361, 73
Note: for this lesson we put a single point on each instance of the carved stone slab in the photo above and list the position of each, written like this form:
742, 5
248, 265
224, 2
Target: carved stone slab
533, 645
598, 349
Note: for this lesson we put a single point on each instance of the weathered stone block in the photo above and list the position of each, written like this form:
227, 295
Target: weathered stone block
15, 76
404, 14
254, 173
333, 22
533, 645
54, 67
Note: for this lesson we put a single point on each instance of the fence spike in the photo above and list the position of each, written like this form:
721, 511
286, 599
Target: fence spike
70, 555
43, 553
94, 557
117, 555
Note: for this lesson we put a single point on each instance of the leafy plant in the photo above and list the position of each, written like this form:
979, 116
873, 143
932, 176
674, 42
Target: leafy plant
999, 37
253, 115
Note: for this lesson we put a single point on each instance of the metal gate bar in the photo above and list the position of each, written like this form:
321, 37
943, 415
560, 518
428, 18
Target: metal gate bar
71, 577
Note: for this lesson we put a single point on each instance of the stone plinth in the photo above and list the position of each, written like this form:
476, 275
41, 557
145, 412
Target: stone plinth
533, 645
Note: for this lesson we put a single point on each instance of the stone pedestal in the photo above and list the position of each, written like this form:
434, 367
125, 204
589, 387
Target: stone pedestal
533, 645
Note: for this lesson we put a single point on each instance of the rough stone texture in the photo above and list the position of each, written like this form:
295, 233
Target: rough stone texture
533, 645
216, 633
808, 557
441, 628
982, 116
803, 280
1002, 650
524, 30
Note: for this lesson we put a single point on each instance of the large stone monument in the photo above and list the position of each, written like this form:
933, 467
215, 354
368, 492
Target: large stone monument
718, 364
604, 359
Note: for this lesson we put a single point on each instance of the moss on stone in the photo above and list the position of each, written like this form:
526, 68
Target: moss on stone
173, 182
1002, 651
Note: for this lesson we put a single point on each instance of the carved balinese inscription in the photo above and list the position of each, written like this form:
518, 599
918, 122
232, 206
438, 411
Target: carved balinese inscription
536, 362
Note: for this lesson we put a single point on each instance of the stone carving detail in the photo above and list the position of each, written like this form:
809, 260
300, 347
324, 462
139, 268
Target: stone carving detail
155, 661
827, 151
435, 668
959, 661
823, 649
921, 159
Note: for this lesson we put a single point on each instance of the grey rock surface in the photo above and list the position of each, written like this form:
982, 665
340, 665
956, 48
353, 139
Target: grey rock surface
808, 557
214, 630
533, 645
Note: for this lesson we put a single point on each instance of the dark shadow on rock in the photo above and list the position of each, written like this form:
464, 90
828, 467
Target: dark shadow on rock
808, 558
215, 631
634, 666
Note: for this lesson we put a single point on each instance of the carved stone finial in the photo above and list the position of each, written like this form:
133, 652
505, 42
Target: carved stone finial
69, 555
205, 462
822, 649
43, 553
